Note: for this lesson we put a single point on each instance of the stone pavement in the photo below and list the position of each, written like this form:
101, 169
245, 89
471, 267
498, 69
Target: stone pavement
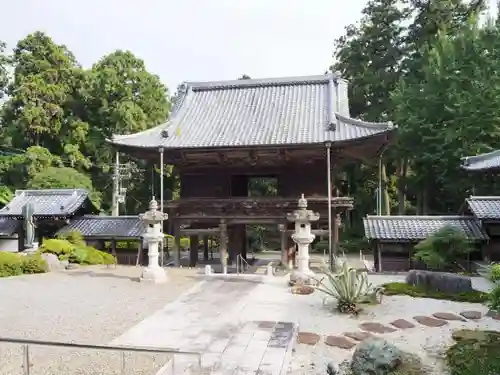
239, 326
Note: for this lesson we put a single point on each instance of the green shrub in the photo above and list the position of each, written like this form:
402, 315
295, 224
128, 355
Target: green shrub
494, 272
74, 237
34, 264
57, 246
10, 264
87, 255
443, 248
494, 299
474, 296
475, 353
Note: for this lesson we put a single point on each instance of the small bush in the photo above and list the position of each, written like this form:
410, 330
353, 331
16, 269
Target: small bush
494, 272
475, 296
494, 299
10, 264
74, 237
57, 246
475, 353
34, 264
88, 255
442, 249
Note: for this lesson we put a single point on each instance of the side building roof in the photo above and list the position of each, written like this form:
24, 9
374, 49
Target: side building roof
482, 162
107, 227
48, 203
417, 228
484, 208
257, 112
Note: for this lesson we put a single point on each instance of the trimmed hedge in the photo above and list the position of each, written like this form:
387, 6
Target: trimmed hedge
15, 264
391, 289
76, 253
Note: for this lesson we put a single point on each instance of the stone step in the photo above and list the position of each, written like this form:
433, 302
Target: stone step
256, 347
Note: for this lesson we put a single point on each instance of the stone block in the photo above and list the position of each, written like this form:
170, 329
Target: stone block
440, 281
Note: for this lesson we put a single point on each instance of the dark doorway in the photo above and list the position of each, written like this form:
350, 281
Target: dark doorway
263, 237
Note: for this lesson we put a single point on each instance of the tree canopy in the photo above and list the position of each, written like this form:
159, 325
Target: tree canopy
429, 66
56, 116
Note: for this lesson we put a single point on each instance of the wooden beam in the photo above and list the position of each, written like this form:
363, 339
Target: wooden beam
199, 231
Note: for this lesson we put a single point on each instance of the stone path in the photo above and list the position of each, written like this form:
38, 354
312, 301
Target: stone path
216, 319
349, 340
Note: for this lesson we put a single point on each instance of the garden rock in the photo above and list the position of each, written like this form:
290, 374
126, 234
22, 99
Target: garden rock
52, 261
375, 356
440, 281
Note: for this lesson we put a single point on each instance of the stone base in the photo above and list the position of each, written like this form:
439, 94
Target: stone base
154, 275
301, 278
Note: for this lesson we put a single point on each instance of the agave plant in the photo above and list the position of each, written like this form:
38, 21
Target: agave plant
349, 287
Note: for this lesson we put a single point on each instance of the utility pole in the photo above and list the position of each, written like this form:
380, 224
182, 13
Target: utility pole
115, 211
121, 173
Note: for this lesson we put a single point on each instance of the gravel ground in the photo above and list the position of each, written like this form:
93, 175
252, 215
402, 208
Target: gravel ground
88, 306
428, 343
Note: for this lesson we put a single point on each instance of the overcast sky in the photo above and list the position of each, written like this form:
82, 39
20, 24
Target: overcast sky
192, 39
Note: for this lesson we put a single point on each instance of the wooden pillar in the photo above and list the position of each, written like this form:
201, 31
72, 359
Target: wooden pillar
193, 250
335, 235
232, 243
223, 245
243, 241
177, 244
205, 248
282, 229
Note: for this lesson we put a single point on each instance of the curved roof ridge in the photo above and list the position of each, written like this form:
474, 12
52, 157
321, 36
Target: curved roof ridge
481, 157
262, 82
419, 217
366, 124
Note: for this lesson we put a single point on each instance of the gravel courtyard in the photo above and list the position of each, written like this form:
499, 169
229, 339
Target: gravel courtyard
90, 305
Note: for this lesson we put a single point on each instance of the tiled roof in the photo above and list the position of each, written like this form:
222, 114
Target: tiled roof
410, 228
279, 111
490, 160
47, 203
9, 227
484, 208
107, 227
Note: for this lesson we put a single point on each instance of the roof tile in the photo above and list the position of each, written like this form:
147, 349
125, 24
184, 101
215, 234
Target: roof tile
484, 208
281, 111
419, 227
107, 227
47, 203
481, 162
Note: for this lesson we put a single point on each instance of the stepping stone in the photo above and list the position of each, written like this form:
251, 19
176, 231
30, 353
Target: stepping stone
447, 316
402, 324
358, 336
430, 322
339, 342
376, 328
308, 338
266, 324
473, 315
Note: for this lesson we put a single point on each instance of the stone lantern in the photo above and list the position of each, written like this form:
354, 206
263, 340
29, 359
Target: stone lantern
303, 238
153, 237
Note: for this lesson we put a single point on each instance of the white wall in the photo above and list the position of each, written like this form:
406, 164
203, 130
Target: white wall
9, 244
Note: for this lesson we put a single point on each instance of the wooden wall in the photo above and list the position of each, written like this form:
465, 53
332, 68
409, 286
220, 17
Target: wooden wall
221, 182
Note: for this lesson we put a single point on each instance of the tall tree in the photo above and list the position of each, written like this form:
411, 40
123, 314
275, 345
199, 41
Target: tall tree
123, 98
454, 111
5, 63
40, 110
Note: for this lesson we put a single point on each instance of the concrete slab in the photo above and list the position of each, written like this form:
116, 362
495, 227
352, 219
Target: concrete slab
238, 327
